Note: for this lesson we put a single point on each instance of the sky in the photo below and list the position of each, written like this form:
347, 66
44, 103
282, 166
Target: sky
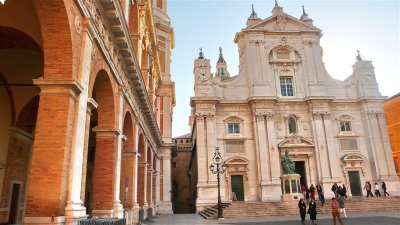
371, 26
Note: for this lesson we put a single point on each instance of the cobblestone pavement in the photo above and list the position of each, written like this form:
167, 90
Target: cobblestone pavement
390, 218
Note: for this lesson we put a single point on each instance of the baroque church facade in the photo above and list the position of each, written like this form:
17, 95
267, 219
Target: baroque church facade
86, 100
284, 100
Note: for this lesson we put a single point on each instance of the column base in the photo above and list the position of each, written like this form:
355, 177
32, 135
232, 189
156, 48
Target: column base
102, 213
165, 208
74, 213
55, 220
271, 192
118, 210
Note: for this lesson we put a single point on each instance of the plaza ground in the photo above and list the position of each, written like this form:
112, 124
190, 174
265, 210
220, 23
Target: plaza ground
376, 218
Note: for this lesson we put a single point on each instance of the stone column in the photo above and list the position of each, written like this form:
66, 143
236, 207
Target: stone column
263, 155
202, 158
51, 154
134, 178
74, 209
274, 188
321, 150
149, 174
333, 153
166, 205
210, 148
158, 194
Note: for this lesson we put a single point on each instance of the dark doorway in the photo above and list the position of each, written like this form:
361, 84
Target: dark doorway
12, 217
237, 186
355, 183
300, 168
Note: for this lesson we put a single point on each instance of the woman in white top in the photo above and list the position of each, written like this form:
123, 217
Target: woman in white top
377, 192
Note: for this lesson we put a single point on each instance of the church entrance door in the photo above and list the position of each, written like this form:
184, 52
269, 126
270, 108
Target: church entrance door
355, 184
300, 168
237, 186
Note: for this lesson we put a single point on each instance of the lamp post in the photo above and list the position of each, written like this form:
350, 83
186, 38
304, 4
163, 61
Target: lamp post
218, 167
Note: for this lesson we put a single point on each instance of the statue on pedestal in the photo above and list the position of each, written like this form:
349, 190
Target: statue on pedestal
288, 166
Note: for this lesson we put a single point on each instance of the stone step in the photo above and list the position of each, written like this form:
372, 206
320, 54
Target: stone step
355, 204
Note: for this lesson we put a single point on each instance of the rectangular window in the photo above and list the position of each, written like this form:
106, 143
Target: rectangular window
348, 144
286, 86
233, 128
234, 146
345, 126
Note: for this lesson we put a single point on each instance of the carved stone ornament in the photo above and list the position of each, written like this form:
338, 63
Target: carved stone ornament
281, 21
78, 24
353, 161
344, 117
233, 119
295, 140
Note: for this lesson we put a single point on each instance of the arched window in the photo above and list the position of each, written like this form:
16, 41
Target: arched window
292, 125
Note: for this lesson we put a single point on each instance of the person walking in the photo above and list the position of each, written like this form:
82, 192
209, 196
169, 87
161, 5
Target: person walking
344, 191
335, 212
312, 210
320, 194
368, 187
334, 189
377, 191
303, 190
384, 189
302, 210
312, 192
340, 201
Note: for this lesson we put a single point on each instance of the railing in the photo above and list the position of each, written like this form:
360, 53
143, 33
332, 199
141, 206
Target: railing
103, 221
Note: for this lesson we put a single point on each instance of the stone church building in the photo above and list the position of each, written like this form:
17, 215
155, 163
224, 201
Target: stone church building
283, 99
86, 101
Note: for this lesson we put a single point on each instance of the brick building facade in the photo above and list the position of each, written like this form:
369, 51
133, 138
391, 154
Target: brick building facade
86, 97
392, 113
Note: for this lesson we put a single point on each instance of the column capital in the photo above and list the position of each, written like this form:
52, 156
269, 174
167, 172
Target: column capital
91, 104
106, 132
58, 87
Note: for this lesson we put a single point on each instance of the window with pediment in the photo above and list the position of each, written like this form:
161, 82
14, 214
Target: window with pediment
233, 125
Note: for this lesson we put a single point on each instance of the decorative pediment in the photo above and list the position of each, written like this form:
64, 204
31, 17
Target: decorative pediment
344, 117
284, 22
233, 119
353, 161
353, 157
236, 160
295, 141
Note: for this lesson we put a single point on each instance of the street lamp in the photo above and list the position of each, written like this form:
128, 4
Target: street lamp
218, 167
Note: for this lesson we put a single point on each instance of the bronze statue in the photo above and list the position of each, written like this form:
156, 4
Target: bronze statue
288, 166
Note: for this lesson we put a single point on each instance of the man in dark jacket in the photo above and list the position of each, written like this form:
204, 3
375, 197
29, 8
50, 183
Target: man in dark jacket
302, 210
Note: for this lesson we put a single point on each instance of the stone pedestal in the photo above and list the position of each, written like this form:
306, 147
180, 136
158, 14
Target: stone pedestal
290, 187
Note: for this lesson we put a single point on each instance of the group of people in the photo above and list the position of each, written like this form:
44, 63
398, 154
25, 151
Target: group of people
336, 204
368, 188
310, 193
339, 190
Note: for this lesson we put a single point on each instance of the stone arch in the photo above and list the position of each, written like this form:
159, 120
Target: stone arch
127, 162
21, 61
106, 144
55, 18
297, 55
103, 94
27, 117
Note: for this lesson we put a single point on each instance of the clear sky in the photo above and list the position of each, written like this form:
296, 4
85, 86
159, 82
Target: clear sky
373, 27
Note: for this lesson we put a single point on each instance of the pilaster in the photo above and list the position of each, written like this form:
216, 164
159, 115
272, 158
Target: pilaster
166, 205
